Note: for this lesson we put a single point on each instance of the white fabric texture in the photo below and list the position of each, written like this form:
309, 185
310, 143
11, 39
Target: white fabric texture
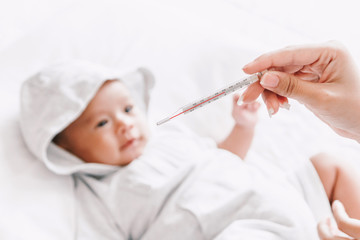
50, 101
198, 191
192, 46
179, 173
57, 95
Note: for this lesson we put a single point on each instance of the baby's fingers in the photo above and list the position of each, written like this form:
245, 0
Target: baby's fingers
236, 99
253, 106
346, 224
326, 232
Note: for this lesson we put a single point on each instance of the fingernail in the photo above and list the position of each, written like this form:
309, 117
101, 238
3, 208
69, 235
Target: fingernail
247, 65
271, 112
240, 100
336, 203
269, 80
285, 105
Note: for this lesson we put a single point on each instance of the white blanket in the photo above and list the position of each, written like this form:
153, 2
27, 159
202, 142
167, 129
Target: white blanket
192, 46
184, 187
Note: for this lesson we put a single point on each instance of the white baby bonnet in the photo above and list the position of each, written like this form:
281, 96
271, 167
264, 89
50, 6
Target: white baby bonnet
57, 95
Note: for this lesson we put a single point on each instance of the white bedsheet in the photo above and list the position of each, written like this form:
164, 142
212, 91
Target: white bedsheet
193, 47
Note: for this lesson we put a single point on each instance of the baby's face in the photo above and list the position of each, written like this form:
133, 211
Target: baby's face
111, 130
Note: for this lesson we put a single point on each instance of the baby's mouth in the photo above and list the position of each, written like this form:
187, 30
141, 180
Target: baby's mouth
129, 143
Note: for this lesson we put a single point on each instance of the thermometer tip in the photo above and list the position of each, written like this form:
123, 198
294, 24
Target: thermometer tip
163, 121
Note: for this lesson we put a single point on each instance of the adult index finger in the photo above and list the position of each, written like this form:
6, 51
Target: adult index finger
289, 56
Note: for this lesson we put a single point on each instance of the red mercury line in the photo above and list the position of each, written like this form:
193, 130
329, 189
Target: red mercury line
196, 105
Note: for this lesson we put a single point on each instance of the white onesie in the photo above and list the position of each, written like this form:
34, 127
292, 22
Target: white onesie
184, 187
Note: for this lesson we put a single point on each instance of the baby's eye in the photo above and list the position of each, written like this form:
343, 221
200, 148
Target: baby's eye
102, 123
128, 108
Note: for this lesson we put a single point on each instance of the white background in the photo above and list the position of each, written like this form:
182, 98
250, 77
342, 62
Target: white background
320, 20
28, 40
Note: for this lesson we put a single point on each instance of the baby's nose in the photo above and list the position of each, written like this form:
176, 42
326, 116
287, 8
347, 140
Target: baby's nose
124, 125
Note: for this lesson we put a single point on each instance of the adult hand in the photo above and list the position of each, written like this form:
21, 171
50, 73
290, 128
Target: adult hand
328, 231
323, 77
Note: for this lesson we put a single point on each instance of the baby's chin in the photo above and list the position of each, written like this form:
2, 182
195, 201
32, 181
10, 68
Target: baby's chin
129, 160
132, 152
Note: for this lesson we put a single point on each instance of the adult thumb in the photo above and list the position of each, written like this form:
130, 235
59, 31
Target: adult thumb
288, 85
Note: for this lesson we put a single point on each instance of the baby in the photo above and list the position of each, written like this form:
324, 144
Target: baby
83, 120
112, 130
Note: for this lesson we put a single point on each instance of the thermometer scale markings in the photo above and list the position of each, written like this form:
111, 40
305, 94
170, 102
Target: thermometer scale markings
192, 108
197, 104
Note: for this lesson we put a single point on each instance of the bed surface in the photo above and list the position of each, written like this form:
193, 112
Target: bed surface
192, 47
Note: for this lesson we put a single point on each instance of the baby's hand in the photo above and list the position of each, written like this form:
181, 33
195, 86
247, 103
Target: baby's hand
245, 115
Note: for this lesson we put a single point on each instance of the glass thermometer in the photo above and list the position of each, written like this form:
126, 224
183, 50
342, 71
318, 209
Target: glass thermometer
213, 97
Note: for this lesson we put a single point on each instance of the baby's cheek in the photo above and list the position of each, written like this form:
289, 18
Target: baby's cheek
106, 144
144, 126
